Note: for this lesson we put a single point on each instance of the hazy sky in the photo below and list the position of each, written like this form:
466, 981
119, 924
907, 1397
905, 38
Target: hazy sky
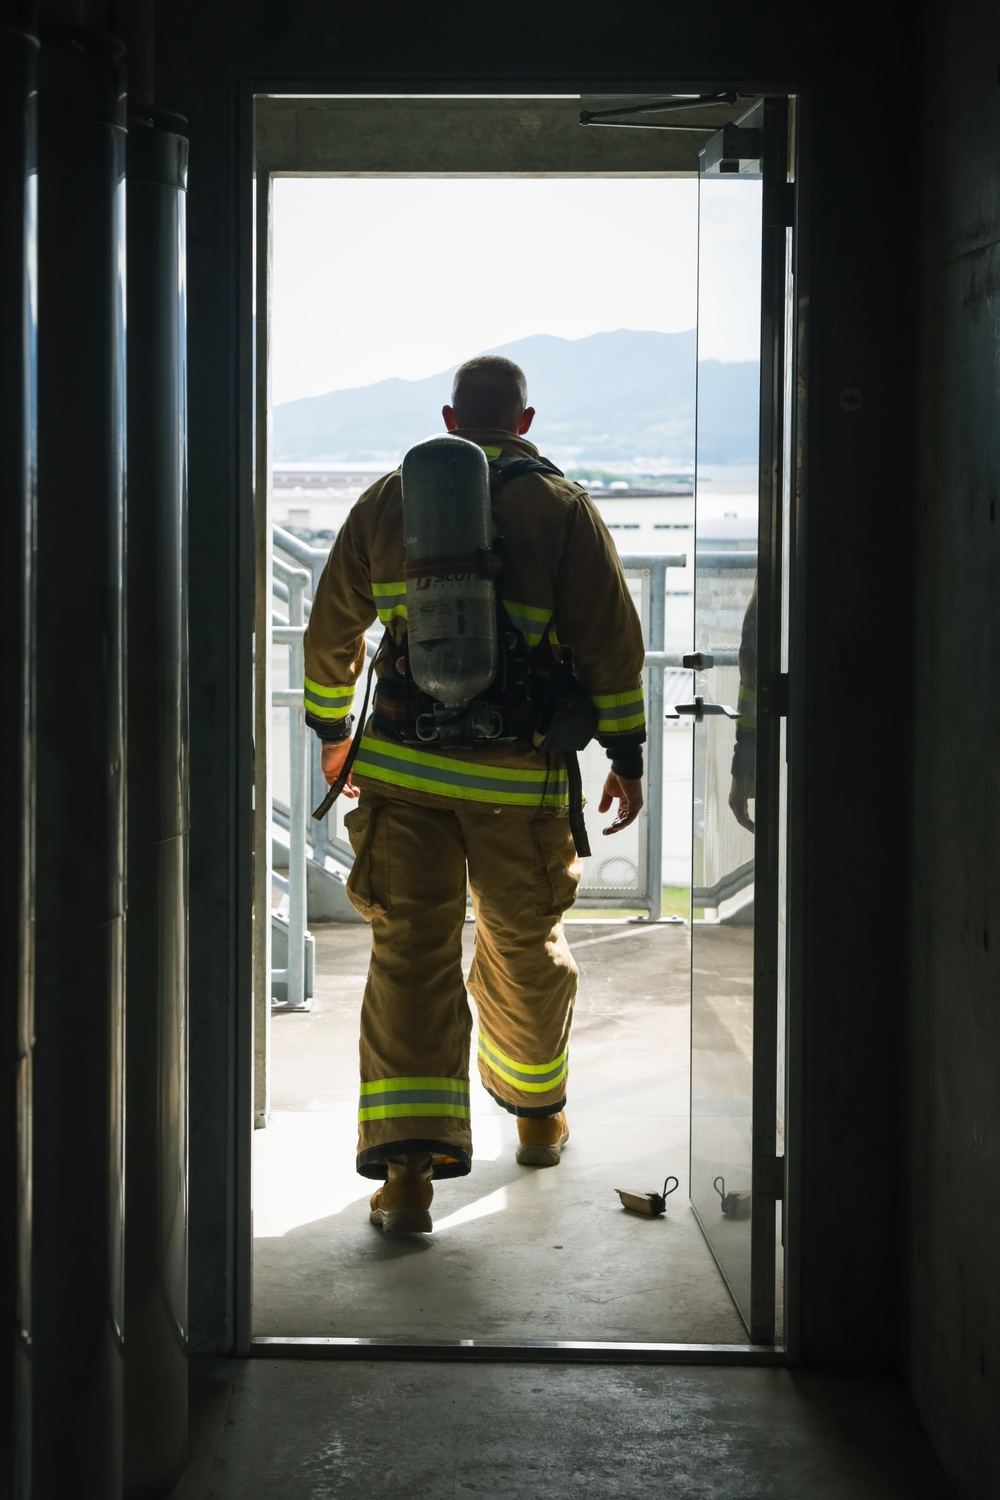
375, 277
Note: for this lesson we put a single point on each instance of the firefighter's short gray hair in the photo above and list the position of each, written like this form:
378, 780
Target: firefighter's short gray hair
488, 391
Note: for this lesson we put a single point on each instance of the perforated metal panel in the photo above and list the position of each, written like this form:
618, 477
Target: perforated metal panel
723, 850
616, 872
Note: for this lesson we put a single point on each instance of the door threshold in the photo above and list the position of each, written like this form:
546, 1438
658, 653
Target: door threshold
527, 1351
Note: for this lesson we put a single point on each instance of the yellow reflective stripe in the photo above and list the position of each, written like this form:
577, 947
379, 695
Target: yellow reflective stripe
492, 453
397, 1098
329, 692
381, 1085
325, 710
400, 1111
529, 1078
529, 619
485, 1044
747, 703
390, 601
472, 781
319, 710
530, 611
617, 712
618, 726
618, 700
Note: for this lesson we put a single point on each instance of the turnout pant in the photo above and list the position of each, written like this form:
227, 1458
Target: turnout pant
413, 864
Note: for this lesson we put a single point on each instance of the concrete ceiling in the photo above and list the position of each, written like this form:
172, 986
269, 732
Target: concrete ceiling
474, 136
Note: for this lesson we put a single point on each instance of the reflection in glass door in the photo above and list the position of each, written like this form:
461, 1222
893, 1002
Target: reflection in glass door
735, 1175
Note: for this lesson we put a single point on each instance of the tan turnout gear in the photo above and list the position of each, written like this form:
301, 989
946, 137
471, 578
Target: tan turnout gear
409, 881
490, 817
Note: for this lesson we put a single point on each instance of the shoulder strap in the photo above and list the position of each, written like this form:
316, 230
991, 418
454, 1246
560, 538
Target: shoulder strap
513, 467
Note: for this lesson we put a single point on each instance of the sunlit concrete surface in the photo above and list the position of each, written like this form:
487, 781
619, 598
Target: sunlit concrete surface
290, 1430
516, 1253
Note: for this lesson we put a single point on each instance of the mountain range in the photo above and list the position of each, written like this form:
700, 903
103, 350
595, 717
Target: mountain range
623, 397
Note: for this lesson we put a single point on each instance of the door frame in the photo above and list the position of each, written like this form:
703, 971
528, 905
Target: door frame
770, 117
255, 512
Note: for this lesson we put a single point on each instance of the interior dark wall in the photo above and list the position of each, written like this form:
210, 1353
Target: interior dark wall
851, 901
955, 1072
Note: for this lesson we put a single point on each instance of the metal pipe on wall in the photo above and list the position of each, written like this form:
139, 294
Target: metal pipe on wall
18, 334
78, 1135
156, 1217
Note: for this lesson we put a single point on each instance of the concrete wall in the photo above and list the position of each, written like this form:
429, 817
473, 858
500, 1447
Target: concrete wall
955, 1061
859, 301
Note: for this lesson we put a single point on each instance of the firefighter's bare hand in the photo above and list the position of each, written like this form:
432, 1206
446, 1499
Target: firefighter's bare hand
333, 763
629, 794
740, 793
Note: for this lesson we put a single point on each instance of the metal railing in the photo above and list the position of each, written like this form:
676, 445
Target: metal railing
296, 570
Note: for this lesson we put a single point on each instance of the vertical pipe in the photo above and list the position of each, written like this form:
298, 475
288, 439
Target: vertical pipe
156, 1210
263, 604
78, 1140
18, 458
654, 746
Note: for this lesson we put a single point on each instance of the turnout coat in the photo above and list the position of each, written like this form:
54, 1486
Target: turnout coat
562, 585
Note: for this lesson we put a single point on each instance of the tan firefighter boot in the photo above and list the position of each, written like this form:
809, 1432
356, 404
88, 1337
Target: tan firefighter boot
402, 1206
541, 1140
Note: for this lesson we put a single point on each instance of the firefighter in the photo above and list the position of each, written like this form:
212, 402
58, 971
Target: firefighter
743, 788
433, 821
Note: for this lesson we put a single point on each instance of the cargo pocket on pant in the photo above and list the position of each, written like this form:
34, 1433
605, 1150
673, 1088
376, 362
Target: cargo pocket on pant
561, 867
368, 882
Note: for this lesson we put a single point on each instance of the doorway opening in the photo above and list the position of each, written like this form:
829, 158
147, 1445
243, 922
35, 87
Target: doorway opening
364, 320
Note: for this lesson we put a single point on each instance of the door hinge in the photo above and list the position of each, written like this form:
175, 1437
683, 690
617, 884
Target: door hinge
734, 145
773, 694
769, 1177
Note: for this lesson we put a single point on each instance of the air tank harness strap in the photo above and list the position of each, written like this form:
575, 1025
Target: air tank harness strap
352, 754
577, 826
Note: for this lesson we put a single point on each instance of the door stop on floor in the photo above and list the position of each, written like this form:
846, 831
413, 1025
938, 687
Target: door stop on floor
649, 1204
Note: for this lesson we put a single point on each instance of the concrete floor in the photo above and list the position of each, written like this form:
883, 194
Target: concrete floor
516, 1253
270, 1430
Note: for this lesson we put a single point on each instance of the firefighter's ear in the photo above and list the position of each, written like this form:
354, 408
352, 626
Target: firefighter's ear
526, 420
450, 422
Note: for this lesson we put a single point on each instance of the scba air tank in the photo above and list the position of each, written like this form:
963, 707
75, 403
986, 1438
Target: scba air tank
448, 536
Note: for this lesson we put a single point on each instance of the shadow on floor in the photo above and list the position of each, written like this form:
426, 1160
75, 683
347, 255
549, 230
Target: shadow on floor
300, 1430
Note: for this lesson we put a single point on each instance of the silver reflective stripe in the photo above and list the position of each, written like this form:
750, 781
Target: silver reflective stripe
532, 630
524, 1074
622, 710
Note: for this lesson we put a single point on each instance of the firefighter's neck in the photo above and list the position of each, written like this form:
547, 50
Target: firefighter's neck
515, 425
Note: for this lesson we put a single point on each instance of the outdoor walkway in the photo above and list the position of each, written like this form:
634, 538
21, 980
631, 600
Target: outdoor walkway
516, 1253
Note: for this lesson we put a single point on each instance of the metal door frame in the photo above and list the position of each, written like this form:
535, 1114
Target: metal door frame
254, 510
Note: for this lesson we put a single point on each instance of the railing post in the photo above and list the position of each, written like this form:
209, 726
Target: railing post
654, 743
297, 804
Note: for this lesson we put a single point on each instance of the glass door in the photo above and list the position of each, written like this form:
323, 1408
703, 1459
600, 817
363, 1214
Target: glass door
736, 1173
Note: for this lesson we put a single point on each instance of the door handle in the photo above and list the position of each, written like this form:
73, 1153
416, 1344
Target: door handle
698, 710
